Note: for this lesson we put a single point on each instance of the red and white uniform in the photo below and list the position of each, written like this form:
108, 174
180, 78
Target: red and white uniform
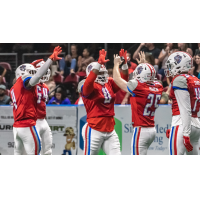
144, 101
185, 95
25, 116
99, 103
42, 126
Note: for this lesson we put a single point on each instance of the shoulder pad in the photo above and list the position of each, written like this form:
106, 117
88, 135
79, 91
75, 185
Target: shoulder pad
132, 84
80, 85
180, 82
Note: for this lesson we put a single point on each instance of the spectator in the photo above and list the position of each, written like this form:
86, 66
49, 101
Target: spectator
82, 73
150, 48
184, 47
68, 65
2, 76
4, 99
59, 98
150, 59
85, 60
165, 53
196, 69
51, 85
131, 65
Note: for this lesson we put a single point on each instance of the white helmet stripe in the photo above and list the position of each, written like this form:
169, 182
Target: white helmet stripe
149, 68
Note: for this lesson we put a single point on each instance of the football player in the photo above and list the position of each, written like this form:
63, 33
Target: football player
98, 94
42, 126
24, 98
146, 95
185, 95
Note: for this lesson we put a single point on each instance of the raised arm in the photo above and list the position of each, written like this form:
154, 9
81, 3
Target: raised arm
42, 70
135, 55
86, 87
120, 82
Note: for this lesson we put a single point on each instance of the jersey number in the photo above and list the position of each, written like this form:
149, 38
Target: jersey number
106, 95
157, 98
39, 94
197, 91
13, 99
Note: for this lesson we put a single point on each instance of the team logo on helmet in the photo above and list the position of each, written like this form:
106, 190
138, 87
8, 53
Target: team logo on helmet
23, 67
178, 58
89, 68
139, 69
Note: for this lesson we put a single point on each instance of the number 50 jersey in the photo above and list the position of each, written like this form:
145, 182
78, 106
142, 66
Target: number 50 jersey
144, 101
42, 91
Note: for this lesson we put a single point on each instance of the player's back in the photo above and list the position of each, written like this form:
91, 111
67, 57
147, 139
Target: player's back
144, 101
42, 91
188, 83
24, 104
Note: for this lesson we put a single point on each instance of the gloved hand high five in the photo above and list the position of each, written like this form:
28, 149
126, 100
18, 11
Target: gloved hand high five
187, 143
56, 51
123, 53
102, 57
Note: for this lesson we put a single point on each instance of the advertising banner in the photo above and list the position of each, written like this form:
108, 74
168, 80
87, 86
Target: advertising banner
124, 129
62, 121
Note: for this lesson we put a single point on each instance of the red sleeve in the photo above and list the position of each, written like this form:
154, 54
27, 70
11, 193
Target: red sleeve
88, 86
114, 85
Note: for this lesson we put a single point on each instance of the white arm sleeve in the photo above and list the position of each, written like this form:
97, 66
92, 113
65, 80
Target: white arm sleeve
131, 85
41, 72
183, 100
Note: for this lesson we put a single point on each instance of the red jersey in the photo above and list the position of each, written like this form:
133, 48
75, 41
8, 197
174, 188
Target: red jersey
191, 84
99, 106
144, 101
24, 104
42, 91
99, 103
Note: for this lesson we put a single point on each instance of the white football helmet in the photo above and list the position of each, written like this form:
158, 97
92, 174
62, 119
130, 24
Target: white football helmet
144, 72
47, 74
101, 79
178, 62
26, 70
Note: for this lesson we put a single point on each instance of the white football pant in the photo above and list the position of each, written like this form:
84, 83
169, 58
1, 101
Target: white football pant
176, 142
28, 139
95, 140
142, 139
46, 136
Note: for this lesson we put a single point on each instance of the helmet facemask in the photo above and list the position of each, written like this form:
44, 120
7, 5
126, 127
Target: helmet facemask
101, 78
27, 70
45, 77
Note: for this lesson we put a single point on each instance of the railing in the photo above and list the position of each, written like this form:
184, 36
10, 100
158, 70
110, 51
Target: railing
30, 57
10, 58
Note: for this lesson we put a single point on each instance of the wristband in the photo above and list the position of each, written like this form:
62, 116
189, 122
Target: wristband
96, 66
124, 66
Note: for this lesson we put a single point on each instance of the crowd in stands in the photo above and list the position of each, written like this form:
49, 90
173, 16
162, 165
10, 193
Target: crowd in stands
71, 69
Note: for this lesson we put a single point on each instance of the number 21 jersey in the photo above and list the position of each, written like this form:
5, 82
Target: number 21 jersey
144, 101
